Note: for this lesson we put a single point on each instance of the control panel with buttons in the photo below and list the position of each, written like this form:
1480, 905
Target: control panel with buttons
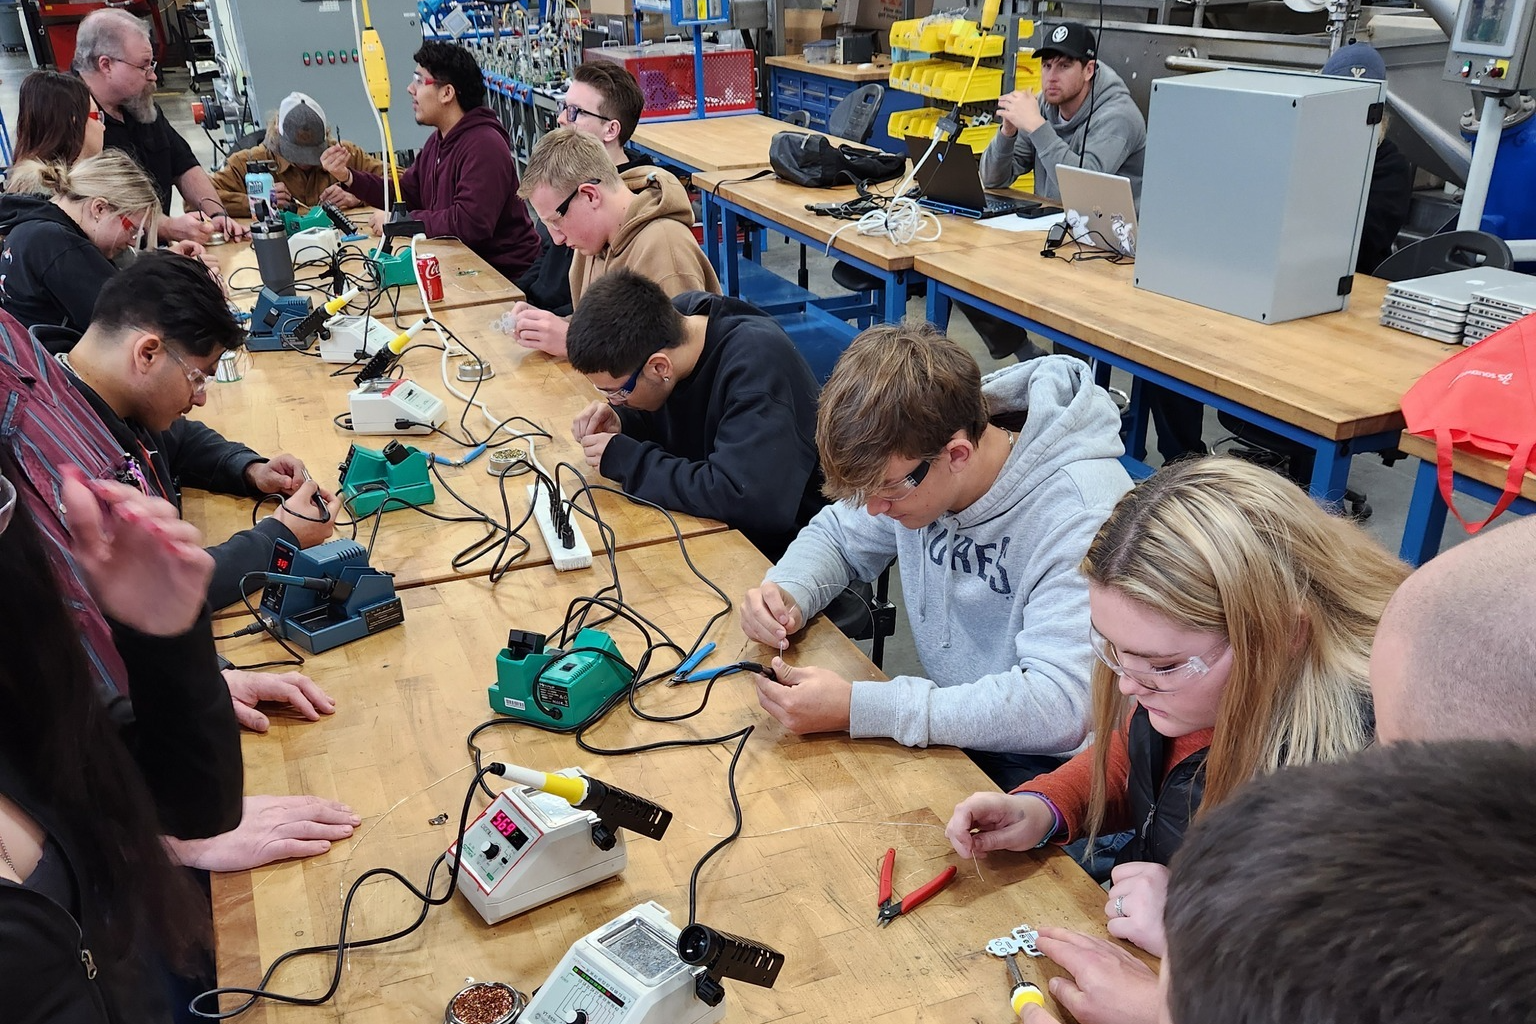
1492, 48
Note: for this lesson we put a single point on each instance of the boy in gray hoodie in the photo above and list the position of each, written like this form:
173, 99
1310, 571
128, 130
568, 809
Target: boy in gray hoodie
1084, 116
987, 493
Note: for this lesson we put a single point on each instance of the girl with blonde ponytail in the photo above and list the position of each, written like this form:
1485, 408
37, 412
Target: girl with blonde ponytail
60, 244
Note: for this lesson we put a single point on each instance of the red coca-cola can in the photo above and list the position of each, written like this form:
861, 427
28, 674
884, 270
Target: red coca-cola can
430, 272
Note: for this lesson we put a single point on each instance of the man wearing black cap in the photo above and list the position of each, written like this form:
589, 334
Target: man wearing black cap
1084, 116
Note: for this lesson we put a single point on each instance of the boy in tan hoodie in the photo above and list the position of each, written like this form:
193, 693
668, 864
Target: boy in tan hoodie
641, 220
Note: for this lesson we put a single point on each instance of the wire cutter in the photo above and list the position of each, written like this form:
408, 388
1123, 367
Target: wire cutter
891, 908
691, 662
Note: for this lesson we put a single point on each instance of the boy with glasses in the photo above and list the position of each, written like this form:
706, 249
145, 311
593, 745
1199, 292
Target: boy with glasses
707, 407
641, 220
605, 101
115, 59
464, 184
987, 494
143, 364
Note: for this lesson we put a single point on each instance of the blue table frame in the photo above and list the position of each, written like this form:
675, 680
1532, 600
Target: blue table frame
1330, 471
1424, 528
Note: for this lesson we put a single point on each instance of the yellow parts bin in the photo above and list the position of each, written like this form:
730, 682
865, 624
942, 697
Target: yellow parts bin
922, 122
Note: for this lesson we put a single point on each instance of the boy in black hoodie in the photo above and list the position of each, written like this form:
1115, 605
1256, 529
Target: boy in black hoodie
709, 408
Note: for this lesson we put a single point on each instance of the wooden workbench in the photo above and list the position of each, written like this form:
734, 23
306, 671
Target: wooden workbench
819, 814
879, 71
712, 144
467, 279
287, 402
1340, 375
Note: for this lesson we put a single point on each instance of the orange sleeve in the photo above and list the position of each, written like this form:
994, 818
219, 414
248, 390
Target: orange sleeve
1070, 787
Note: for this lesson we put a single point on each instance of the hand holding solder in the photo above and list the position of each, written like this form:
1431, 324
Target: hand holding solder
281, 474
769, 615
597, 418
337, 163
984, 822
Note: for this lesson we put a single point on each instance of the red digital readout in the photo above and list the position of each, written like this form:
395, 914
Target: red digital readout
503, 824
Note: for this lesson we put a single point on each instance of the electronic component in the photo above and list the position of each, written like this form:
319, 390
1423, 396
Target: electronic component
276, 320
562, 536
351, 339
557, 687
327, 595
398, 474
626, 972
547, 837
386, 406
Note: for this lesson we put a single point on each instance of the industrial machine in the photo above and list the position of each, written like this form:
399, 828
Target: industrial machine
278, 46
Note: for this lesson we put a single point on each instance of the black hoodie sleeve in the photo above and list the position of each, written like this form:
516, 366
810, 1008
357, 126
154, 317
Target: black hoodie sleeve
200, 457
183, 734
247, 551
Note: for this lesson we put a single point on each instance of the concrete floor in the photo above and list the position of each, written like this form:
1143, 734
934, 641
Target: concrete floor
1388, 488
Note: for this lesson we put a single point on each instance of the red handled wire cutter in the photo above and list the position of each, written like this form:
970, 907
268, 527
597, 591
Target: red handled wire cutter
891, 908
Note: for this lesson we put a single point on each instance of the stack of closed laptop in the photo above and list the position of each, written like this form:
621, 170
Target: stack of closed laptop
1438, 307
1494, 309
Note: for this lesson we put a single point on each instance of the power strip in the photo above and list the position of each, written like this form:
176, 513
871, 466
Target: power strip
578, 555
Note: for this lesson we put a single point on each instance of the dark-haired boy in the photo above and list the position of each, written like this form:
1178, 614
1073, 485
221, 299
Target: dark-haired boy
464, 184
708, 406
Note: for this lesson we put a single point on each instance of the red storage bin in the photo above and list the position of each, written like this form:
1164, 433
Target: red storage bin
665, 74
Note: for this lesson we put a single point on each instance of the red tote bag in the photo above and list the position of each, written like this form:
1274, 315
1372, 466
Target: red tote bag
1481, 400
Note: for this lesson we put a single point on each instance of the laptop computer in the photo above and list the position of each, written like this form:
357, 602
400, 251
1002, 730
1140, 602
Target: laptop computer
949, 181
1100, 210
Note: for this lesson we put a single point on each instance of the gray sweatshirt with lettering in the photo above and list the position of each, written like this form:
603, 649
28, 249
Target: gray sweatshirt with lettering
997, 606
1109, 124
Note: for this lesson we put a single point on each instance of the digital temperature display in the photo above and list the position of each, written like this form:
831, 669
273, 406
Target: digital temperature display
281, 561
507, 827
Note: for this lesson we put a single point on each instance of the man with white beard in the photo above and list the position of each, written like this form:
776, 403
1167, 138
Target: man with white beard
114, 58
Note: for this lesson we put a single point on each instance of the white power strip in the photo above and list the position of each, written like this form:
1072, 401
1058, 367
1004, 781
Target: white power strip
578, 555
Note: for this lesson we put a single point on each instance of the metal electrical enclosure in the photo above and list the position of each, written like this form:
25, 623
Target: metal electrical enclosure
309, 46
1254, 190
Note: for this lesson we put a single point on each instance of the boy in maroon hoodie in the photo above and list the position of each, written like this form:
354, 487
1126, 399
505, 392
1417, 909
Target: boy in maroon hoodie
464, 183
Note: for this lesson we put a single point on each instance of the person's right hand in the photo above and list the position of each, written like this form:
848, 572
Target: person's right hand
281, 197
189, 227
540, 329
984, 822
340, 197
597, 418
301, 504
335, 160
272, 828
1107, 985
769, 615
1019, 111
122, 538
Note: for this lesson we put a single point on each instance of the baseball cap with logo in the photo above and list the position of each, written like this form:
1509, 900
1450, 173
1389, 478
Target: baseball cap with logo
1070, 39
300, 135
1357, 60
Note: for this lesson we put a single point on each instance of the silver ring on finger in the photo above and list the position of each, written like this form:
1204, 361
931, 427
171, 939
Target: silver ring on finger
1119, 906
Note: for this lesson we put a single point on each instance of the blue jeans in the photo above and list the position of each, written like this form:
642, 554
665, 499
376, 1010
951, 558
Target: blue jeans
1009, 771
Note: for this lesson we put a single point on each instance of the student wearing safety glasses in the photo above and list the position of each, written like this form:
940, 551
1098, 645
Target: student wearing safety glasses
987, 493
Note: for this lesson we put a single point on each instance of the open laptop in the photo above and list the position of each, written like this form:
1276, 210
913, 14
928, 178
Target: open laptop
949, 181
1100, 210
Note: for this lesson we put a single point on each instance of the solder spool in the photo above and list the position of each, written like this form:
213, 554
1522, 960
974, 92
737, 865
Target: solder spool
507, 462
485, 1002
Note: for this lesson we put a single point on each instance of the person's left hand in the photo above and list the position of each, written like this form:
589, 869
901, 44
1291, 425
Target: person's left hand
540, 329
806, 699
1106, 984
120, 538
298, 691
1022, 109
1135, 905
233, 230
593, 446
281, 474
188, 248
272, 828
376, 222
